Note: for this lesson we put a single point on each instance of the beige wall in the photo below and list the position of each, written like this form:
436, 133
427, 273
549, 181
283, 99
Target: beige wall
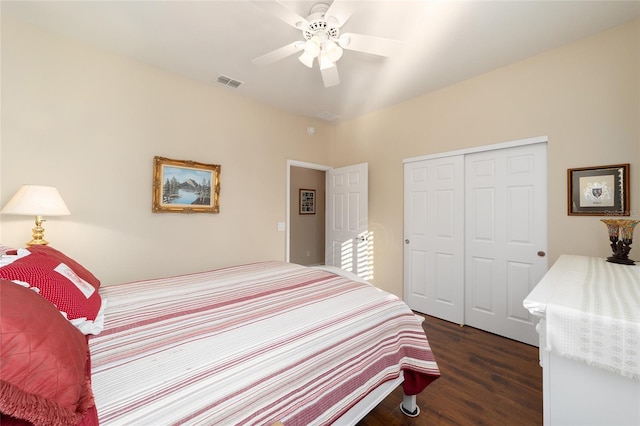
307, 230
90, 123
585, 97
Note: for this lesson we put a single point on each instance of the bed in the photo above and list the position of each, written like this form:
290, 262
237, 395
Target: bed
252, 344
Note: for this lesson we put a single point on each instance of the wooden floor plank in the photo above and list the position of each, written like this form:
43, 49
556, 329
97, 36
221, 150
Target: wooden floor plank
486, 380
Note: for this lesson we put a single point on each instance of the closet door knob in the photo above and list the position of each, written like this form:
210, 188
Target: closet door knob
542, 254
406, 241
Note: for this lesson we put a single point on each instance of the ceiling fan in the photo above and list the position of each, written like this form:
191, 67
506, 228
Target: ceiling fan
322, 38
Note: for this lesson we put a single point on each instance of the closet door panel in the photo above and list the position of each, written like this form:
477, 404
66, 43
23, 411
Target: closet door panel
520, 276
419, 261
475, 237
480, 285
434, 237
445, 279
505, 209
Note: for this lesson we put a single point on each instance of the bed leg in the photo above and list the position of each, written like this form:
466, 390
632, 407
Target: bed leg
409, 407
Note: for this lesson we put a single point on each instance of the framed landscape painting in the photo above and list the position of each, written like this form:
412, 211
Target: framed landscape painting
185, 186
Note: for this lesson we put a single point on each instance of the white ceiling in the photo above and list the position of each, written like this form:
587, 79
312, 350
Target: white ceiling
443, 42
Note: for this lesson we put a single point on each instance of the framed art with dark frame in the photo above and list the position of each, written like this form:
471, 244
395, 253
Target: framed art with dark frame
307, 201
185, 186
598, 191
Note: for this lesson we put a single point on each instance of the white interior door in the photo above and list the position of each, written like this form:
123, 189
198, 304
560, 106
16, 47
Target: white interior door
347, 239
434, 240
505, 238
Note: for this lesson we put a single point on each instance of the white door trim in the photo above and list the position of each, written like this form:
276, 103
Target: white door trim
482, 148
303, 164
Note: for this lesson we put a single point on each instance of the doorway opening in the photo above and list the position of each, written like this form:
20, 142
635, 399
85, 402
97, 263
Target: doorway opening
305, 231
347, 242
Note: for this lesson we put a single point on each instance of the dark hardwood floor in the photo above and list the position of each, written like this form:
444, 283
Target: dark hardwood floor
486, 380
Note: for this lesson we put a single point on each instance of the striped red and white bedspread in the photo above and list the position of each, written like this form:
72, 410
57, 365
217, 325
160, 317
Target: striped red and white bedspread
251, 344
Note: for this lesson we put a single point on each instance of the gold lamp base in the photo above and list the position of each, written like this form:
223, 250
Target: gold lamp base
38, 233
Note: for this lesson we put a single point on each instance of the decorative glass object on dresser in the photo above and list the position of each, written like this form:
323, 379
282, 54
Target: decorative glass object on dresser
621, 237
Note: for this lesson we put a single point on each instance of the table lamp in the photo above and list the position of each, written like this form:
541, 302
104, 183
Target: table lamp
38, 201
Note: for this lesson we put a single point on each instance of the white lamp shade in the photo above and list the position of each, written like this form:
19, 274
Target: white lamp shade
333, 51
36, 200
325, 62
306, 59
312, 47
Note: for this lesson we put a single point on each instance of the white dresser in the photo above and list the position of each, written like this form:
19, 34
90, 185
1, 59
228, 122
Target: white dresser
589, 329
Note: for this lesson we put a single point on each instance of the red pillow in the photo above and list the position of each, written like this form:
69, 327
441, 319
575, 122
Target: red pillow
43, 376
61, 280
52, 253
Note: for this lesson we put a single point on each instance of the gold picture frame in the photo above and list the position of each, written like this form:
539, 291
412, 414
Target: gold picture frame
598, 191
181, 186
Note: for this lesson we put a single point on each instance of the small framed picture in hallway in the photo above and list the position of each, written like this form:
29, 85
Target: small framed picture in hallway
307, 201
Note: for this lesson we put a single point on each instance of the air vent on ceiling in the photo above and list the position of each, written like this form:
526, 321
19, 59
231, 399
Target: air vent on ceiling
228, 81
328, 116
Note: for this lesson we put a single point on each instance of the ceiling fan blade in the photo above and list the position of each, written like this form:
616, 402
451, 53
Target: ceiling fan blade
282, 12
330, 76
341, 11
369, 44
278, 54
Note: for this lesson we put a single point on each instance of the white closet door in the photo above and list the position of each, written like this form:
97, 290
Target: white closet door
434, 240
505, 238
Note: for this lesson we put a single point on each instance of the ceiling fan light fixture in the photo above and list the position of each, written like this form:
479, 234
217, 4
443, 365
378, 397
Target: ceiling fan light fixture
322, 38
312, 46
306, 59
325, 61
332, 50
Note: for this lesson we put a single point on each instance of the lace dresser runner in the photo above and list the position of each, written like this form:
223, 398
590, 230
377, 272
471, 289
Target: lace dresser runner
594, 315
